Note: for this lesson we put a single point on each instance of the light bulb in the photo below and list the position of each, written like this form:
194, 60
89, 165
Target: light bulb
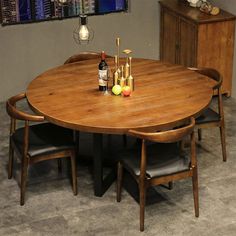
62, 1
83, 32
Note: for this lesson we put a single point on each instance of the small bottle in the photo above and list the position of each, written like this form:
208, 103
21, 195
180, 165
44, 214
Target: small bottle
102, 72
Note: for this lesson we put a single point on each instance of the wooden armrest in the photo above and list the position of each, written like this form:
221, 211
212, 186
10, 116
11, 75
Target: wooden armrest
17, 114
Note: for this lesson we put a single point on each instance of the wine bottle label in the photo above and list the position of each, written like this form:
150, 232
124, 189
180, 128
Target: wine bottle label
102, 77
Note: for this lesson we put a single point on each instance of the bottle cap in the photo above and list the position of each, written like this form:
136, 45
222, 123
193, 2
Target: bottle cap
103, 55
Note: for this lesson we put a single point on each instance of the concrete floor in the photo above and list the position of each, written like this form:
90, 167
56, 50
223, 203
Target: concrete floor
51, 208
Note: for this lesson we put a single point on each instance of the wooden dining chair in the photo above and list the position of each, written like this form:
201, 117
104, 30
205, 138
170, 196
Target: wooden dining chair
161, 166
37, 142
211, 118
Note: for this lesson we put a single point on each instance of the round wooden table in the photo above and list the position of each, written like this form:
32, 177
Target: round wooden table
164, 94
68, 96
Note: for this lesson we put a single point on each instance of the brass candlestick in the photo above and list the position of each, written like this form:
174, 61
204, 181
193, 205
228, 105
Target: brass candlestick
130, 79
118, 54
122, 79
127, 52
116, 74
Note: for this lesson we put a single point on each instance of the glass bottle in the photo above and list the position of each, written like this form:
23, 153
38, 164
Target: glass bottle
102, 72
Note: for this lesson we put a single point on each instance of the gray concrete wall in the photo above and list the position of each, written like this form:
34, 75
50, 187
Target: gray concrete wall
230, 6
28, 50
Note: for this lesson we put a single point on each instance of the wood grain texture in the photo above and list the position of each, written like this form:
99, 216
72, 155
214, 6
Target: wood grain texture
68, 96
195, 39
215, 50
170, 44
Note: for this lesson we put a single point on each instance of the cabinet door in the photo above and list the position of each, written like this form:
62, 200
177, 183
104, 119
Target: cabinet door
169, 31
216, 49
187, 45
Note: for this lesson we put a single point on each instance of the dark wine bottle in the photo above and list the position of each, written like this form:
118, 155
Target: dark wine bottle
102, 72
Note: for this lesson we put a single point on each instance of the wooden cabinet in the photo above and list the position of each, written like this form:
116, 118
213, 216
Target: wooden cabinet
192, 38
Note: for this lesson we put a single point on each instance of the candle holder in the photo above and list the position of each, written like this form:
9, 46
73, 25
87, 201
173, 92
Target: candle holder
130, 79
122, 73
122, 78
126, 68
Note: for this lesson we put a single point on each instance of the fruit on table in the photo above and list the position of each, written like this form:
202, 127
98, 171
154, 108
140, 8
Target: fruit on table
126, 91
116, 89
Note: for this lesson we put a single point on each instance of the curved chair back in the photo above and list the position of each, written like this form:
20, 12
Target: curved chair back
211, 118
17, 114
82, 56
211, 73
169, 136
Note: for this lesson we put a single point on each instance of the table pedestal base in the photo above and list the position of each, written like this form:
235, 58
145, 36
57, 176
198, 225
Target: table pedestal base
101, 182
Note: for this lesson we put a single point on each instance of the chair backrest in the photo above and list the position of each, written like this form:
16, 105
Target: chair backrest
82, 56
17, 114
169, 136
211, 73
215, 75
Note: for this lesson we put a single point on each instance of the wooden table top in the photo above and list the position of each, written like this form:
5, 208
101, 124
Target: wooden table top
68, 96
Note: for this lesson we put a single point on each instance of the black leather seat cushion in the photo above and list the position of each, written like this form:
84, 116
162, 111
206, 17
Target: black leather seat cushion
162, 159
208, 116
44, 138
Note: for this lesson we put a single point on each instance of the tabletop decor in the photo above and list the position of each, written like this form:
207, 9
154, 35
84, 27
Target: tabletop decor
205, 6
208, 8
123, 81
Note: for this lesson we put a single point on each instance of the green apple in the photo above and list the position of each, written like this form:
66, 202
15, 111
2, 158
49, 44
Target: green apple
126, 91
116, 89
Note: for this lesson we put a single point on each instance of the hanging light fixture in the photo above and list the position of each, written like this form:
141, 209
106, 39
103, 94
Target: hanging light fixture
83, 34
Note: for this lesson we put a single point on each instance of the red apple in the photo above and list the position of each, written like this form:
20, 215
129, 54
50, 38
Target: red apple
126, 91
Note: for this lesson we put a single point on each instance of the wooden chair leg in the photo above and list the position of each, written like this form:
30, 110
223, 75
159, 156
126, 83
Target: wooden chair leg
10, 162
59, 165
170, 185
142, 200
223, 143
74, 174
195, 191
119, 182
199, 131
24, 172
